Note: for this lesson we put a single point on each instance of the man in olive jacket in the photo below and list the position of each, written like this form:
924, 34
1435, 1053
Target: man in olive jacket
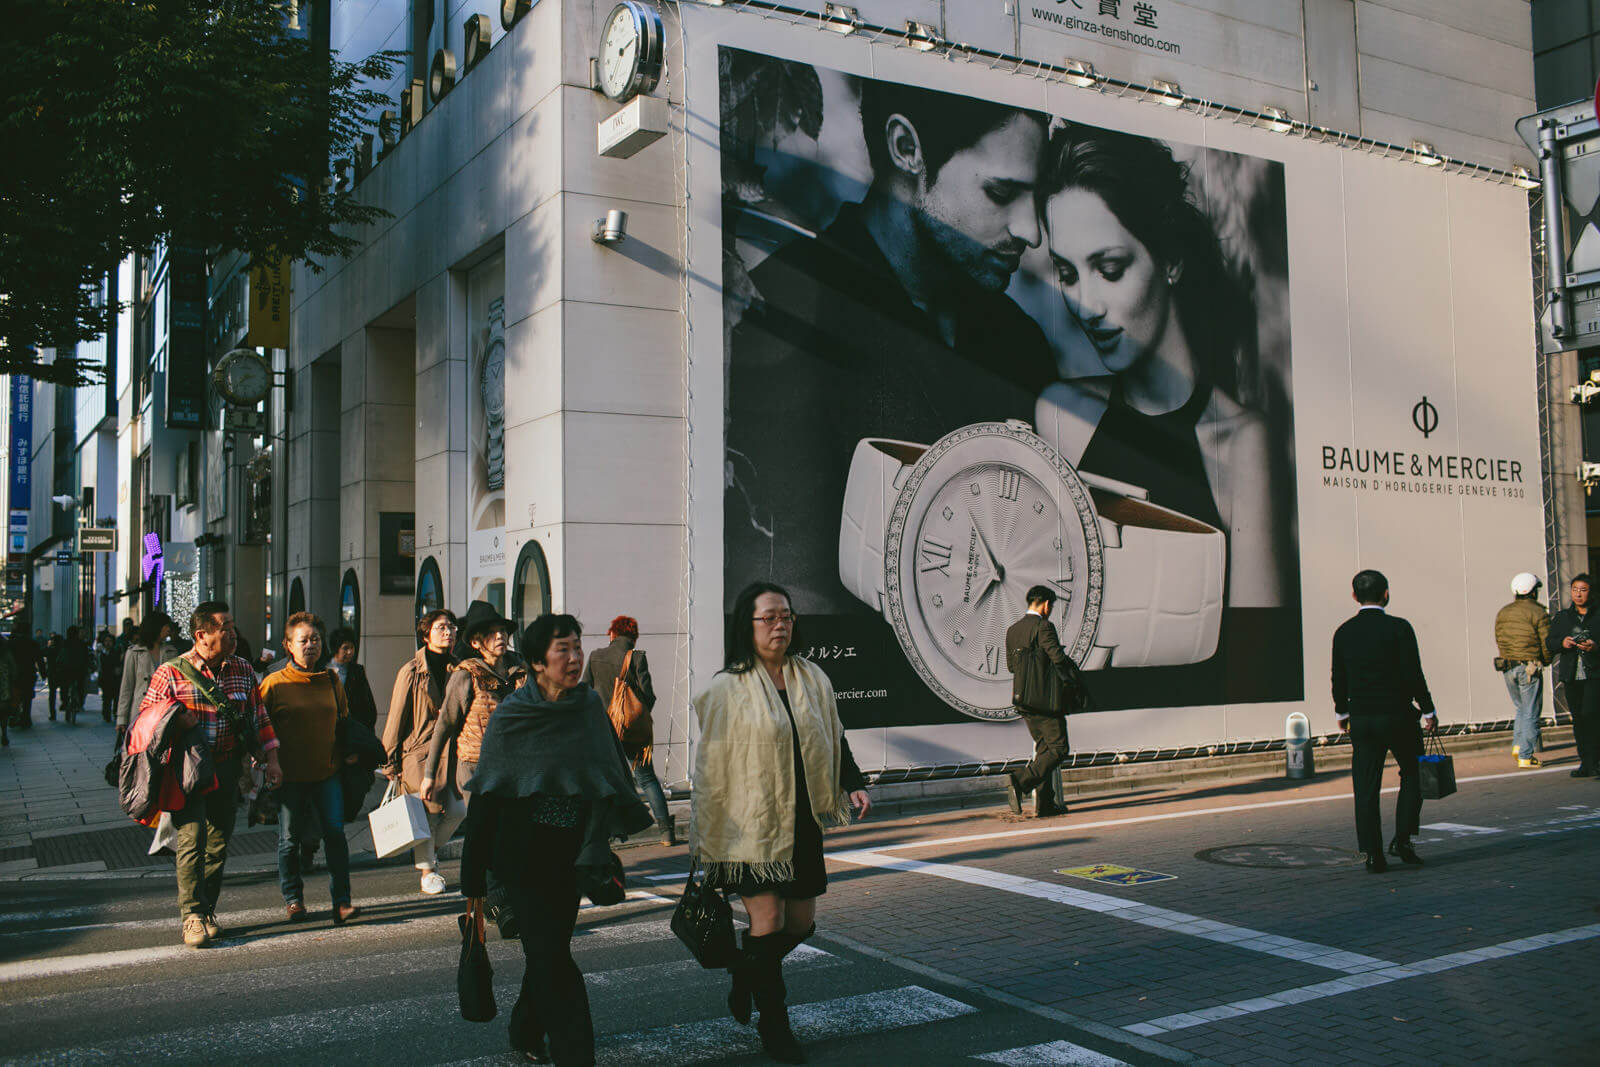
1521, 629
1045, 686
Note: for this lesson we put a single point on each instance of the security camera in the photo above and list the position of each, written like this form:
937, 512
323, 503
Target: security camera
1588, 475
611, 229
1585, 392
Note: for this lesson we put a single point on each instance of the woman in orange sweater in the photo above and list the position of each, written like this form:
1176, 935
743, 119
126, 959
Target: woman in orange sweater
305, 705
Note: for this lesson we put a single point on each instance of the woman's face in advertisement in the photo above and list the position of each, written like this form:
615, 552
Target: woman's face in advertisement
1115, 290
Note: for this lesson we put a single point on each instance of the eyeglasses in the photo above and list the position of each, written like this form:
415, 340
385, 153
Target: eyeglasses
774, 618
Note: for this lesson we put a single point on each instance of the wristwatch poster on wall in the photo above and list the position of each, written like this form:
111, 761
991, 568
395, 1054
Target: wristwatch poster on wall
972, 348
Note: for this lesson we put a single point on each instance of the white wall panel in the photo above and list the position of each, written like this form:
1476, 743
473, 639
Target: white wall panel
623, 468
1427, 45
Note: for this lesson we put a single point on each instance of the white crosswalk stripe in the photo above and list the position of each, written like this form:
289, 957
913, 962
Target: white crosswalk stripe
1051, 1053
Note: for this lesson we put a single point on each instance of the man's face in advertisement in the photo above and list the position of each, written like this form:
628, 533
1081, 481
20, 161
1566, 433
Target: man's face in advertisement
978, 211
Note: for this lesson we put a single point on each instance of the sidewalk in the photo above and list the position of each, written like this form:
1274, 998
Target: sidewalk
59, 819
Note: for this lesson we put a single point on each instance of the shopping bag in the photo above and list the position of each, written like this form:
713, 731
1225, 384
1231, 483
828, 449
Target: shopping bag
703, 921
474, 975
166, 836
400, 822
1437, 768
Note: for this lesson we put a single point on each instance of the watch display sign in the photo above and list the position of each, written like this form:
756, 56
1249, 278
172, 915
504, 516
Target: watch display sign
397, 552
1082, 391
486, 428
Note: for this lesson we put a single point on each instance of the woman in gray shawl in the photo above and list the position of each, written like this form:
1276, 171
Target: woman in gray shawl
552, 788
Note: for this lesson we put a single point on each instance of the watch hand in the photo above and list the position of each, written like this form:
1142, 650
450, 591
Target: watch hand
997, 572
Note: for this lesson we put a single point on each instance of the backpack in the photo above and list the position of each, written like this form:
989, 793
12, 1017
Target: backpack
629, 717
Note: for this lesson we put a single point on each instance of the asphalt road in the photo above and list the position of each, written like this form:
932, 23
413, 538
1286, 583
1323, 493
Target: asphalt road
1253, 934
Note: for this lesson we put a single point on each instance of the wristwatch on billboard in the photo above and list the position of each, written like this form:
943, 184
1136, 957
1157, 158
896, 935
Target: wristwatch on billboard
493, 384
947, 539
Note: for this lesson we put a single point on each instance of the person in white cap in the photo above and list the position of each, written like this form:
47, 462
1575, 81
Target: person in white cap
1522, 630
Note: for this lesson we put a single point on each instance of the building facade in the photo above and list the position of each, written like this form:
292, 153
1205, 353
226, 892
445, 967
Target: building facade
490, 402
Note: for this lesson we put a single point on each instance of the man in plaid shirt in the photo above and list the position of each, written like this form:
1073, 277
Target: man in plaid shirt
205, 824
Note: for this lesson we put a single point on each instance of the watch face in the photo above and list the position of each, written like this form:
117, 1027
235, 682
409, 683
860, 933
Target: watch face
494, 380
620, 57
988, 512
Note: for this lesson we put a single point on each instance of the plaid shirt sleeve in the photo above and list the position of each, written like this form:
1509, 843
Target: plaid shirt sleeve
258, 707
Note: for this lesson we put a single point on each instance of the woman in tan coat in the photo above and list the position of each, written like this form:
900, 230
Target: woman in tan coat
408, 731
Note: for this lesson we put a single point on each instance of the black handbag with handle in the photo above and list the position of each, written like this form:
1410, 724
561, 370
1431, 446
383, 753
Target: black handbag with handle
703, 921
1436, 769
474, 975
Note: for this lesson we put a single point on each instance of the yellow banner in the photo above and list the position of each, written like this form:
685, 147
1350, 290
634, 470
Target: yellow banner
269, 304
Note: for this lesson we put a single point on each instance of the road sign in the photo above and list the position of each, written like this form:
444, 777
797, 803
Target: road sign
63, 556
97, 539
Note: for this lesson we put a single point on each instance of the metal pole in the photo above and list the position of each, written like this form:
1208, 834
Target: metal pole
1555, 238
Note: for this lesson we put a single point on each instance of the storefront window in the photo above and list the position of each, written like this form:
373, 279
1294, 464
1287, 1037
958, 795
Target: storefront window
297, 596
430, 589
350, 604
532, 586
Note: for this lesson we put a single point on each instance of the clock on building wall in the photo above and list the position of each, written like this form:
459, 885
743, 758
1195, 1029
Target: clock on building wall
630, 51
243, 377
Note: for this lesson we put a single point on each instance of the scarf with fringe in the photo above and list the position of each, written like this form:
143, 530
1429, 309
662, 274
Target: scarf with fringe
744, 783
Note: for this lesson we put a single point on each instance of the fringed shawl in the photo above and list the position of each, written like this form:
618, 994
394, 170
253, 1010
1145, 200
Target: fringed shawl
744, 783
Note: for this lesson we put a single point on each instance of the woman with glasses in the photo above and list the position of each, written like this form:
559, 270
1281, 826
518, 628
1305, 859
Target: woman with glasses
772, 769
305, 704
408, 733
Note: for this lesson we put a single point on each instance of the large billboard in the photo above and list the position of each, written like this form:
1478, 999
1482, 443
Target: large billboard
1188, 373
881, 336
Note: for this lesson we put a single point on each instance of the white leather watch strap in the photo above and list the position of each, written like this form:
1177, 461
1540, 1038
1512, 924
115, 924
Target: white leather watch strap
1162, 600
877, 470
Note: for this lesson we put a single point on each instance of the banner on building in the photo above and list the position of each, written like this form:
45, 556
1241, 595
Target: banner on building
486, 427
21, 443
269, 304
1178, 372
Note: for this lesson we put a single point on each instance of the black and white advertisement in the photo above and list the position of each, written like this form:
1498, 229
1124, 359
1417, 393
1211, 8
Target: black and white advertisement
971, 348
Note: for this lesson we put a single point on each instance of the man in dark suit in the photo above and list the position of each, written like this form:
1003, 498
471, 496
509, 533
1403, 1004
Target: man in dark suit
1045, 686
1572, 641
1378, 692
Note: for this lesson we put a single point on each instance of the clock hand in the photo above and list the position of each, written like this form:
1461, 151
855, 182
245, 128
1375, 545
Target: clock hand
997, 572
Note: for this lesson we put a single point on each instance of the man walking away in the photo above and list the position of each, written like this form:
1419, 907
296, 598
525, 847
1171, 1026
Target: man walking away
1521, 630
1045, 687
1578, 671
211, 687
1378, 691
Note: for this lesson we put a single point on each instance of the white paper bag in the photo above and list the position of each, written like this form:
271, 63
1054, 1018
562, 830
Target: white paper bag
166, 834
400, 822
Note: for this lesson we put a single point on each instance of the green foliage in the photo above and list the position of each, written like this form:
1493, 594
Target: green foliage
191, 121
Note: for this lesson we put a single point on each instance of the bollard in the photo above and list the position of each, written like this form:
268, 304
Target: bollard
1299, 762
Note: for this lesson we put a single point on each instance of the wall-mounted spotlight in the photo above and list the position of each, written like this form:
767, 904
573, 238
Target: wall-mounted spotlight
923, 37
1167, 93
1588, 476
1276, 119
1522, 179
612, 229
841, 17
1080, 72
1586, 392
1424, 154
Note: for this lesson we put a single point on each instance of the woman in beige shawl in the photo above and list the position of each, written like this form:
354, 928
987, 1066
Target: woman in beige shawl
772, 769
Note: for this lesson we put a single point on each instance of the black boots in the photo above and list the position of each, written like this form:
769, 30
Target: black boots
758, 981
669, 831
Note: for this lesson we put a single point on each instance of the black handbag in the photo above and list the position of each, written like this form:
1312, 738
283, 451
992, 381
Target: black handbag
703, 921
606, 885
474, 976
1437, 769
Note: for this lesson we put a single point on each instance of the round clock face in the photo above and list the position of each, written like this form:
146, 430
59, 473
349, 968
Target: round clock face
494, 380
630, 45
243, 377
988, 512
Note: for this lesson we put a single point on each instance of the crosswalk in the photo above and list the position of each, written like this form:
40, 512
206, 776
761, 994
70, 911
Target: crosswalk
386, 990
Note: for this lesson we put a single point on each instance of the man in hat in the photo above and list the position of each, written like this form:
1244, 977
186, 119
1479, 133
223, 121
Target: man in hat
1522, 631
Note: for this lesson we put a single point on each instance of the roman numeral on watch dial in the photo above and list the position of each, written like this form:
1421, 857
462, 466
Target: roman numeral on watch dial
935, 556
1010, 484
991, 659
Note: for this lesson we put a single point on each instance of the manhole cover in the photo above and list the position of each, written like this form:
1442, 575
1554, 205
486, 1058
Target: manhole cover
1280, 857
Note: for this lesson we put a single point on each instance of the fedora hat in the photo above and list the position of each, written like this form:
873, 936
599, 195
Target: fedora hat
481, 617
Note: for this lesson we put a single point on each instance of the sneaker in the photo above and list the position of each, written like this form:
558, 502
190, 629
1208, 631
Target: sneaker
432, 884
213, 928
194, 932
1531, 761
